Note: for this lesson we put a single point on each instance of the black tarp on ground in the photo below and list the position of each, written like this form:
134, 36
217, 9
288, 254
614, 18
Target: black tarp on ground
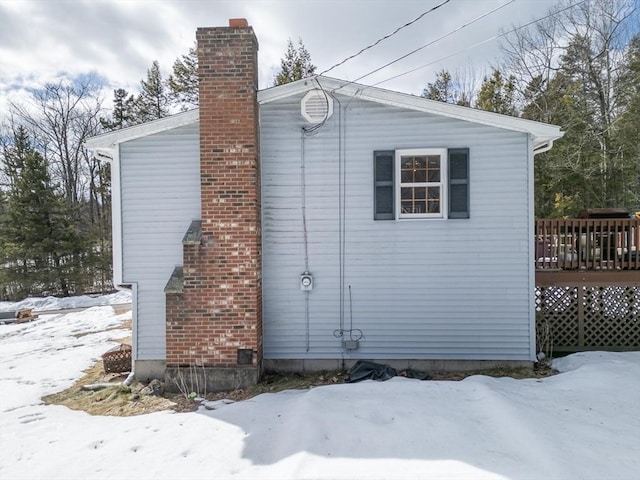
366, 370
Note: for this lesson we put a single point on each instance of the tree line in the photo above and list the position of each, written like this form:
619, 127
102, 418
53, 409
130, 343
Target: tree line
55, 197
578, 68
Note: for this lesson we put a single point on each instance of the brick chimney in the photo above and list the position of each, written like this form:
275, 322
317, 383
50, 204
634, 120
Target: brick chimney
214, 315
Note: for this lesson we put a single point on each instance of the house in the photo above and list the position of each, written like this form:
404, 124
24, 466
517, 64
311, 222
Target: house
309, 225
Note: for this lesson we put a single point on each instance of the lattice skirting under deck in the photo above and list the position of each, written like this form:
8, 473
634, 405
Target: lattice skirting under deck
577, 317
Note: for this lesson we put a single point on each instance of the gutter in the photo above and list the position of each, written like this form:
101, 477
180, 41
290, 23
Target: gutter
545, 147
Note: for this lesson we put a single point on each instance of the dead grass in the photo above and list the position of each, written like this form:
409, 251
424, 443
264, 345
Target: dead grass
127, 401
117, 400
120, 400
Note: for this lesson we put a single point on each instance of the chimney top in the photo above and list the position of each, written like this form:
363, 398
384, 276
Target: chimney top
238, 22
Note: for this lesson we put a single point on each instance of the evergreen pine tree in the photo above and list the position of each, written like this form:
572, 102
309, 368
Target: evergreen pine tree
626, 132
444, 89
497, 94
39, 245
441, 89
153, 101
295, 65
183, 82
123, 114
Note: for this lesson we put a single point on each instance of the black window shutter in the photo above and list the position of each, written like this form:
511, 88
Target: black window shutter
459, 202
383, 173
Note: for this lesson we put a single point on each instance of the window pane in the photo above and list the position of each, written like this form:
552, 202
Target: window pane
407, 169
406, 163
407, 207
433, 206
420, 193
384, 199
413, 169
406, 193
434, 193
434, 169
413, 207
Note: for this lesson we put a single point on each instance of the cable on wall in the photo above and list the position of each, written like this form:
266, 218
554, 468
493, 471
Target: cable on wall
303, 199
354, 334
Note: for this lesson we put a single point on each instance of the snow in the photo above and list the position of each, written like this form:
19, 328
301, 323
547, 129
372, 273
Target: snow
583, 423
55, 303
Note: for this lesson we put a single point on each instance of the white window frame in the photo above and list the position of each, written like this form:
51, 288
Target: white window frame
442, 153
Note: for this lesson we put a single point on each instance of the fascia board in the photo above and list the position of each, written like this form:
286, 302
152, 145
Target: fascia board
110, 139
541, 132
283, 91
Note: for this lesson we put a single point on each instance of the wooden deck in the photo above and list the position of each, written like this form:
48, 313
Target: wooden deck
588, 244
587, 284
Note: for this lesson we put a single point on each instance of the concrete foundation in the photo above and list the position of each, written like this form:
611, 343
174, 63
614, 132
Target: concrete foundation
146, 370
318, 365
216, 379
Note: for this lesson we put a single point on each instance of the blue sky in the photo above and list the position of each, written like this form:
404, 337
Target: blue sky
117, 40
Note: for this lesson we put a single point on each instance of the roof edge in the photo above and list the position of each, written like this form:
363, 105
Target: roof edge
111, 139
541, 132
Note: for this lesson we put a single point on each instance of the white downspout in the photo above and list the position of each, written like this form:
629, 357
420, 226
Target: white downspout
533, 151
112, 155
134, 333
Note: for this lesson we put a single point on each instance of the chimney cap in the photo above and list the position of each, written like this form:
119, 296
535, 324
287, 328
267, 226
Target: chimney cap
238, 22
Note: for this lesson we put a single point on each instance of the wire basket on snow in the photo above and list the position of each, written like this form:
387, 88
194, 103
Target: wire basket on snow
118, 359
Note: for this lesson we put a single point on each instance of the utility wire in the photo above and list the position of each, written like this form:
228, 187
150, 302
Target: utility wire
495, 37
434, 41
385, 37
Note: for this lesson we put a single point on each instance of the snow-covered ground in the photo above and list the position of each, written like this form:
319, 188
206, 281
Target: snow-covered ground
581, 424
55, 303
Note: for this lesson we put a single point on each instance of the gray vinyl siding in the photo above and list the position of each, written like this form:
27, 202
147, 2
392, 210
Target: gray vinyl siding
420, 289
160, 188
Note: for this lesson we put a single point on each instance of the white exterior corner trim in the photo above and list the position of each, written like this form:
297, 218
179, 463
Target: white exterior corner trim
116, 218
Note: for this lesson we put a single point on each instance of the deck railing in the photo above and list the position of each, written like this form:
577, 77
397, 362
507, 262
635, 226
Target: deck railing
588, 244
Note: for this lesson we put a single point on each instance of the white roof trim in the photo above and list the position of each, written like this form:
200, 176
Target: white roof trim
541, 132
111, 139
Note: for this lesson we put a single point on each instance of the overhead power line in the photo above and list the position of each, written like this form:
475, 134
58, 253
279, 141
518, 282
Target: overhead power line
386, 36
495, 37
435, 41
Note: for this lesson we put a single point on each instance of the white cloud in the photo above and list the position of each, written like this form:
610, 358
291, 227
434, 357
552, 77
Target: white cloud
120, 39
